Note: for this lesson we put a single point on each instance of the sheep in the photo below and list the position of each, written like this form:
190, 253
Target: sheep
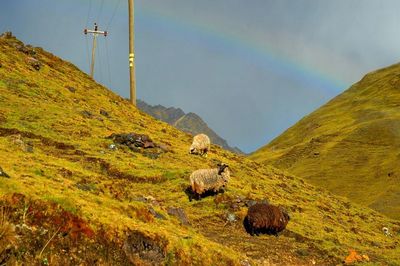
200, 145
386, 231
265, 218
204, 180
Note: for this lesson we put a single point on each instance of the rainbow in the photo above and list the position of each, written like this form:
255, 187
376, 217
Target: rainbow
263, 56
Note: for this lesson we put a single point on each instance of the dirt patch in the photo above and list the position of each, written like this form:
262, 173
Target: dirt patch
13, 131
112, 172
143, 250
264, 250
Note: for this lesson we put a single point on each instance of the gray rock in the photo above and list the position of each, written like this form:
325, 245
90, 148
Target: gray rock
231, 217
156, 214
180, 214
112, 147
36, 64
3, 174
87, 114
71, 89
104, 113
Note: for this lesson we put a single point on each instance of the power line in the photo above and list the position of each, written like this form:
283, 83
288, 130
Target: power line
113, 15
88, 15
100, 10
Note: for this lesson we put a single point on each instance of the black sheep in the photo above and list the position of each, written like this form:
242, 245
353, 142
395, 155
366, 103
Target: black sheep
265, 218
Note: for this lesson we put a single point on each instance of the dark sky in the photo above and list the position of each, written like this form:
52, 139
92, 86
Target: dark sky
250, 69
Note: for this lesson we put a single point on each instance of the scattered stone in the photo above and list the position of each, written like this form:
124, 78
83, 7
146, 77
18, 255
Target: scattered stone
104, 113
87, 114
36, 64
231, 218
29, 147
133, 140
71, 89
180, 214
149, 198
3, 174
28, 49
140, 247
250, 203
156, 214
112, 147
6, 35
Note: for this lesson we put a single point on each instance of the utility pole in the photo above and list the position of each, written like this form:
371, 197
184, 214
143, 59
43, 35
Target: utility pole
132, 52
95, 32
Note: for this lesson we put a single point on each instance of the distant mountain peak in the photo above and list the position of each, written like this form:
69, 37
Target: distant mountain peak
190, 122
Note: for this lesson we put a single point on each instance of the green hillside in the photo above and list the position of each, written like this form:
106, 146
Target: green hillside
72, 198
351, 145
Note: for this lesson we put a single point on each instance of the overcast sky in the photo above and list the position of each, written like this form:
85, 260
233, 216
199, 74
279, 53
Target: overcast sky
249, 68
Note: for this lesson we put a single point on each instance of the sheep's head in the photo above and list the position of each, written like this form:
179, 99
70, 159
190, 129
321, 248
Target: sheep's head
285, 214
193, 150
222, 167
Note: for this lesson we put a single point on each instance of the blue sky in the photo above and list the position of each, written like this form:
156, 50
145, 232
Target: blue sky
250, 69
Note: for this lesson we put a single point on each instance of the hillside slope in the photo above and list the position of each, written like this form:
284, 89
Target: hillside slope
351, 145
190, 123
68, 196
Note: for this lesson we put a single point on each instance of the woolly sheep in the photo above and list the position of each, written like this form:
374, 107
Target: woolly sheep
265, 218
200, 145
204, 180
386, 231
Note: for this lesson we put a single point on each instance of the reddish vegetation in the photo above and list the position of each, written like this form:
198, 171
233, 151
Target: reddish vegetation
353, 258
47, 233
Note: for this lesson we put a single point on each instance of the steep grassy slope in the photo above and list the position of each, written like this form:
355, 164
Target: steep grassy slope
351, 145
190, 123
73, 200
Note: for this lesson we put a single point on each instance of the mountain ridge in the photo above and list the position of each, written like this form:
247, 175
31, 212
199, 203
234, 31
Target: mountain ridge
190, 123
356, 132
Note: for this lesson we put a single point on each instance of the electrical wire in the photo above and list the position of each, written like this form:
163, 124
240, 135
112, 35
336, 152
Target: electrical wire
100, 10
88, 15
113, 14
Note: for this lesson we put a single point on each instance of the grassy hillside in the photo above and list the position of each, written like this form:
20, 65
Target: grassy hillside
72, 199
351, 145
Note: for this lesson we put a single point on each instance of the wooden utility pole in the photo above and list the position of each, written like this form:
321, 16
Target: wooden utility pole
132, 52
95, 32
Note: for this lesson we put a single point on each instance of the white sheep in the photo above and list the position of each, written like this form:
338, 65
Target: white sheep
386, 231
200, 145
204, 180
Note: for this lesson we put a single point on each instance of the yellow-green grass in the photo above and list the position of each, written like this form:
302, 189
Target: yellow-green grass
70, 149
351, 145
